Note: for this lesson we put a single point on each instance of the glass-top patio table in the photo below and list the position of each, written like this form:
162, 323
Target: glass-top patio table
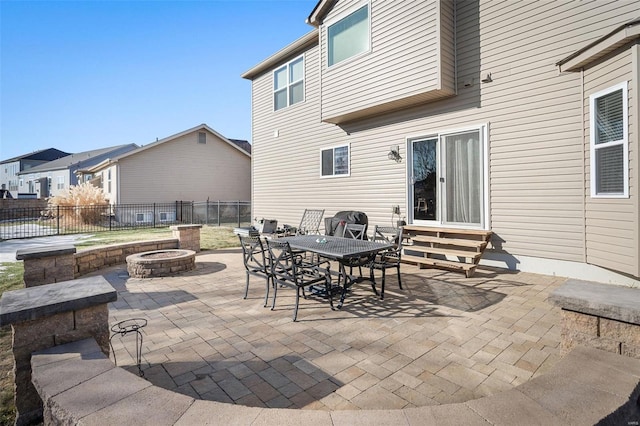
346, 251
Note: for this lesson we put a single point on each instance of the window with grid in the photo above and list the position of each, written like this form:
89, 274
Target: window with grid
60, 182
288, 84
335, 161
609, 142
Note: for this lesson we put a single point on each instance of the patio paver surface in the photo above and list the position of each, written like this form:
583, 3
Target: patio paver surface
444, 338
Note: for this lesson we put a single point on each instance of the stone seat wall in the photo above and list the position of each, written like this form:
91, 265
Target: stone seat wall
80, 385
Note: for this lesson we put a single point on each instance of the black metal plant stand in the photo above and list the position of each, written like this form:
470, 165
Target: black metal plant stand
125, 327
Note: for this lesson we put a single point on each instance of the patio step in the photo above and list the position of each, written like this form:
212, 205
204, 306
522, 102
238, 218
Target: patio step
473, 255
447, 248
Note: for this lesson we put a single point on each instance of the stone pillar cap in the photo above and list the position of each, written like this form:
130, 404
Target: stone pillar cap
39, 252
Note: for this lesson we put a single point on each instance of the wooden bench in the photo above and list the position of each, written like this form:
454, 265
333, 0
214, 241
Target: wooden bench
447, 248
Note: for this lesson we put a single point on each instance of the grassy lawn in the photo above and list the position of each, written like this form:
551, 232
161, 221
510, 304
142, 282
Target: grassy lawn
211, 238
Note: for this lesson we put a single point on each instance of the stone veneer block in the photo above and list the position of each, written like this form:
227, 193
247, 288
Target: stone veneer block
602, 300
43, 252
46, 300
188, 236
47, 265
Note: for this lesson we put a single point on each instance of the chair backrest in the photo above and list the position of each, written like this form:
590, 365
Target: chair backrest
389, 234
253, 254
354, 231
310, 222
283, 267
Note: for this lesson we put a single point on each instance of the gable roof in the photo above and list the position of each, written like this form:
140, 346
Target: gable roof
242, 144
295, 48
81, 159
592, 52
47, 154
319, 12
202, 126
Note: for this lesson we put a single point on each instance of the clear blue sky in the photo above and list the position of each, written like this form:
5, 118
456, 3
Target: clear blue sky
82, 75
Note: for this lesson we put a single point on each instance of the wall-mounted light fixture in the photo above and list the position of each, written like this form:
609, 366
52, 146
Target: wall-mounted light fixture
394, 153
488, 79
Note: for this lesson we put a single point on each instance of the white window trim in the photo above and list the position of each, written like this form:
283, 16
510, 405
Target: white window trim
335, 176
335, 19
169, 216
625, 140
147, 217
289, 84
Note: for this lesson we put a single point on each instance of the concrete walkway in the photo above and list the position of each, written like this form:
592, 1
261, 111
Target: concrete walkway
442, 339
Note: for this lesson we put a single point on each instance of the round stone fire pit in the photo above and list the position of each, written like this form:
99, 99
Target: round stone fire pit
160, 263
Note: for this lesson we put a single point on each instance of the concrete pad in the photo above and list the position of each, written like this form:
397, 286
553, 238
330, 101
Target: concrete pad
513, 408
217, 413
152, 406
95, 394
592, 368
369, 418
570, 400
623, 364
284, 417
444, 415
85, 349
54, 378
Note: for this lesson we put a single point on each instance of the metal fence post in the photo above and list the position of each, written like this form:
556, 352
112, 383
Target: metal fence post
154, 215
218, 212
207, 212
58, 219
192, 211
238, 204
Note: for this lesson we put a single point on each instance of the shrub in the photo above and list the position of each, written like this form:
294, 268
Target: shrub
80, 204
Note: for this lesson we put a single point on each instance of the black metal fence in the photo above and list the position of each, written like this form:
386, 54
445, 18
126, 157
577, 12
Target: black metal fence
64, 220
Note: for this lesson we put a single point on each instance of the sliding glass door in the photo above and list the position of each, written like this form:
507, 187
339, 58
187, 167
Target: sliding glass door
447, 179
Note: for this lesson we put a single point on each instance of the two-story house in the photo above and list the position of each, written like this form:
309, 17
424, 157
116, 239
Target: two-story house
10, 168
54, 177
515, 117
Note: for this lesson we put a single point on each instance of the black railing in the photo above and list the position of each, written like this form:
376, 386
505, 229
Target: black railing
65, 220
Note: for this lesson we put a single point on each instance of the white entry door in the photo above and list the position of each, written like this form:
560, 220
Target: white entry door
447, 179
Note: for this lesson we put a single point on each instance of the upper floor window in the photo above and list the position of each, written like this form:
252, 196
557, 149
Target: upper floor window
60, 182
349, 36
335, 161
609, 142
288, 84
202, 137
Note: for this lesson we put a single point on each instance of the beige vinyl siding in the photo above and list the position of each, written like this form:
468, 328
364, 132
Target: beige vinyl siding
183, 169
612, 224
404, 66
534, 116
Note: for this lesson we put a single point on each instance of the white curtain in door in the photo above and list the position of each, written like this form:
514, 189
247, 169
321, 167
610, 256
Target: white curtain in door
463, 178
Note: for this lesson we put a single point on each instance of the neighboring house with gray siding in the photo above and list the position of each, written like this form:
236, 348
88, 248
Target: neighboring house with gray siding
194, 165
55, 177
11, 167
515, 117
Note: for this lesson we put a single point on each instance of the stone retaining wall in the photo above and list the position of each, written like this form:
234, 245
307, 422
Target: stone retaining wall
79, 385
602, 316
97, 258
45, 316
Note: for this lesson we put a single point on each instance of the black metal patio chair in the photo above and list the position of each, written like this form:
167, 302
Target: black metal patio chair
255, 262
310, 222
390, 258
357, 232
289, 269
